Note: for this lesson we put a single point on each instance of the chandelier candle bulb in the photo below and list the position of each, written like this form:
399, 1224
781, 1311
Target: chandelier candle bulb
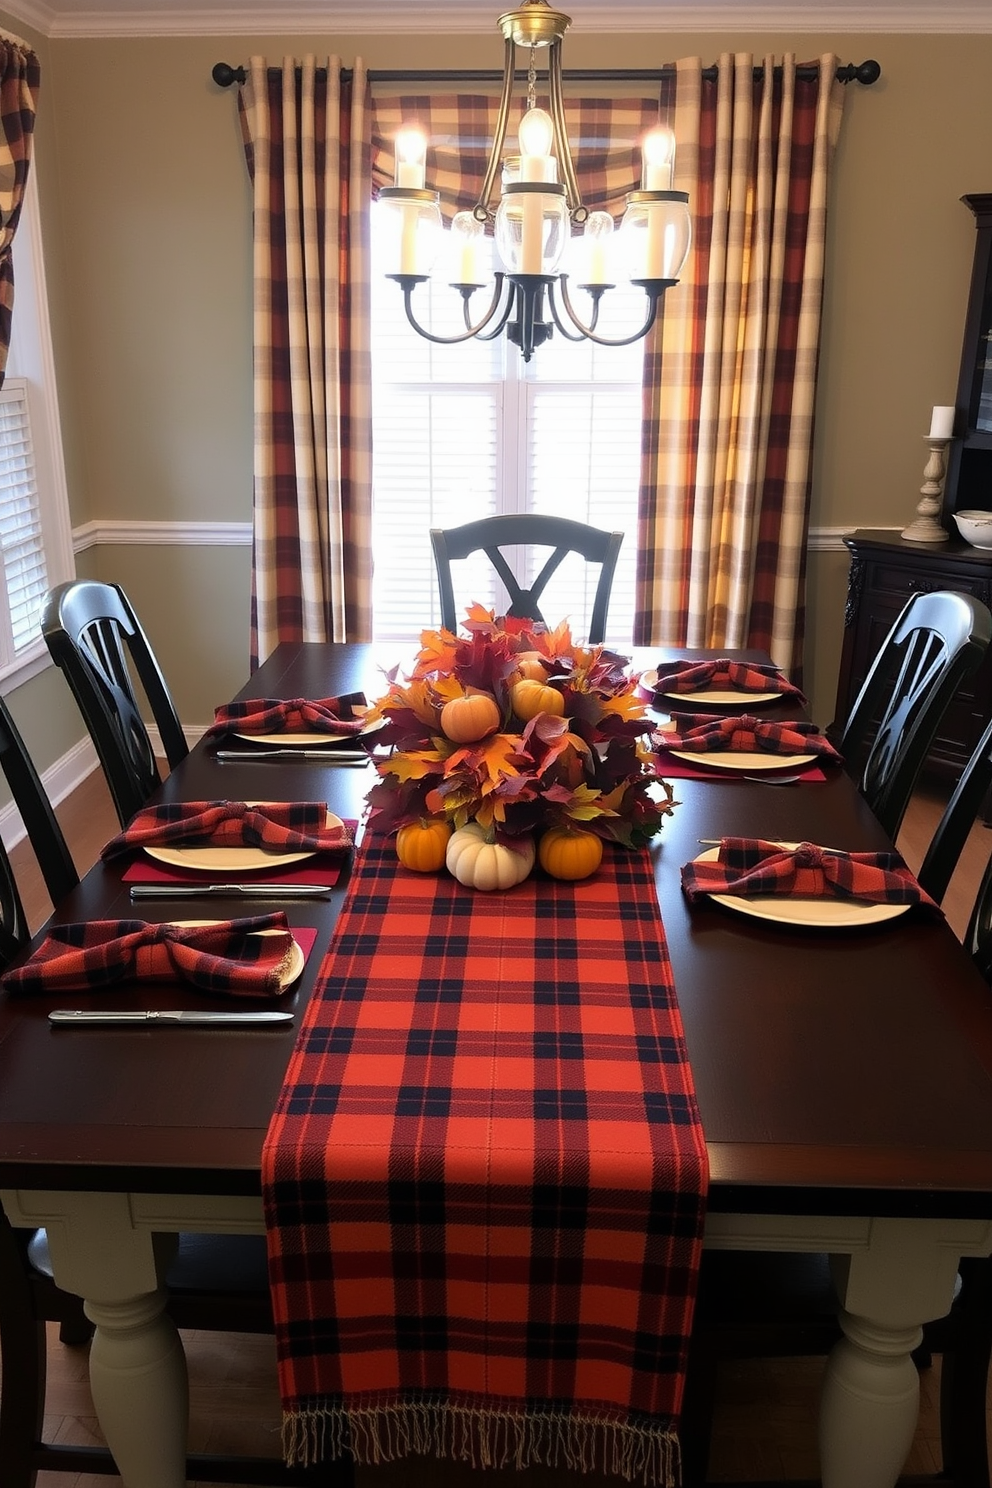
411, 151
659, 159
942, 423
536, 164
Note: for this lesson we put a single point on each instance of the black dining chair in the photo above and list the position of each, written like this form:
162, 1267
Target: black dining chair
768, 1305
492, 535
96, 639
215, 1283
937, 641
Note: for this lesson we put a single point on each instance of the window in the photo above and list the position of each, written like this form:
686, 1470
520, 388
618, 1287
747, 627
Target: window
467, 431
35, 538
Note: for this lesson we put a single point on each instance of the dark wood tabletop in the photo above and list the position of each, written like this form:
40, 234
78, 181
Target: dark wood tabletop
841, 1071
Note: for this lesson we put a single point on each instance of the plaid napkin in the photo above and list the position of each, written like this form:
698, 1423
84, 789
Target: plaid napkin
701, 733
331, 715
749, 866
731, 676
229, 956
272, 826
484, 1180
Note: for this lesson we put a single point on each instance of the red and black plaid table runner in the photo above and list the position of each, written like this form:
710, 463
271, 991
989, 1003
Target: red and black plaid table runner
485, 1178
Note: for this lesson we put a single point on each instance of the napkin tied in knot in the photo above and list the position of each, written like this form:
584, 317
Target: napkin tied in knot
269, 826
229, 956
331, 715
750, 866
724, 674
702, 733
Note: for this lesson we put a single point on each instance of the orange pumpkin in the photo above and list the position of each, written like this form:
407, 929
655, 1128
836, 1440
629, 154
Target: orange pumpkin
570, 852
530, 665
465, 719
531, 697
421, 845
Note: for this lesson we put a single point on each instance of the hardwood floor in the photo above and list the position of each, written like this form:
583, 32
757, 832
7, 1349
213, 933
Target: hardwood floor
765, 1427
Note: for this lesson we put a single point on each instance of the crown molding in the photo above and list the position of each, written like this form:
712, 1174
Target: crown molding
131, 18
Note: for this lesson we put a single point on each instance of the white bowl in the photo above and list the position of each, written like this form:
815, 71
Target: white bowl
975, 527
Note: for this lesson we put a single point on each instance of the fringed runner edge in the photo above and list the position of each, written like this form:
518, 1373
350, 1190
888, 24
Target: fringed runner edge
484, 1437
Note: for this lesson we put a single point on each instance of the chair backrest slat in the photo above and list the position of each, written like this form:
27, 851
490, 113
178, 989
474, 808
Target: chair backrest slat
95, 638
527, 529
937, 641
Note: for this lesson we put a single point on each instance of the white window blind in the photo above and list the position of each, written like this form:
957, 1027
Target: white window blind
467, 431
24, 569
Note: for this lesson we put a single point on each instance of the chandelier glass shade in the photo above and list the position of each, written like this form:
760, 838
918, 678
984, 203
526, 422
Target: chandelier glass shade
540, 214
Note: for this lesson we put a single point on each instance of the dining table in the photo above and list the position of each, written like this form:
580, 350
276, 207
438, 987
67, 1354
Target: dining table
843, 1077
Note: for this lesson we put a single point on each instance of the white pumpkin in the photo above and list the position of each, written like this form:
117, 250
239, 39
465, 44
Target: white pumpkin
480, 864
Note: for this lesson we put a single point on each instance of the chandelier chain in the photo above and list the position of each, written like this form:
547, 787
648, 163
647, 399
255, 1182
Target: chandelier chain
532, 79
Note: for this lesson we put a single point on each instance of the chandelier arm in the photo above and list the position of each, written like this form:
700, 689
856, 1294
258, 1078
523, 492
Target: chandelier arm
500, 326
482, 210
472, 330
556, 98
653, 288
583, 332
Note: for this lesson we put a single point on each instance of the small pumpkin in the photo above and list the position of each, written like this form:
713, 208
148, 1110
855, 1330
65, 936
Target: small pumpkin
421, 845
531, 697
479, 863
570, 852
470, 717
530, 665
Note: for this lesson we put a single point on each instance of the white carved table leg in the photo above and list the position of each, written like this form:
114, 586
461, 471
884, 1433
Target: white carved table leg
870, 1400
137, 1365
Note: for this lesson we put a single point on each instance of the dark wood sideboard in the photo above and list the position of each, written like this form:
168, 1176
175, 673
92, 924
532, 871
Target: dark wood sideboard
885, 572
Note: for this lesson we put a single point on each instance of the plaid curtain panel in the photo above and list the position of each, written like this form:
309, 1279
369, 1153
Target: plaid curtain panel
20, 77
730, 377
485, 1179
304, 131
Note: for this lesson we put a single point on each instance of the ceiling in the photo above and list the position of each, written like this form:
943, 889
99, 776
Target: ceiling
79, 18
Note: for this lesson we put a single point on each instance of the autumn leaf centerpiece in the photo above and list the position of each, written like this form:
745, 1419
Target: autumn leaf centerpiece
507, 734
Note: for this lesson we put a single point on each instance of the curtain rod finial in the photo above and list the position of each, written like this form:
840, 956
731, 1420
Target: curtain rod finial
860, 72
224, 74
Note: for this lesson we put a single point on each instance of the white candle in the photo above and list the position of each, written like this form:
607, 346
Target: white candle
536, 164
411, 152
659, 159
942, 423
408, 239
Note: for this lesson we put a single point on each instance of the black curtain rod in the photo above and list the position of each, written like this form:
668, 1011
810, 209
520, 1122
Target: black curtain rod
852, 72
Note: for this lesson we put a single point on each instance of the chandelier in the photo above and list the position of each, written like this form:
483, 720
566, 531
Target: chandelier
536, 215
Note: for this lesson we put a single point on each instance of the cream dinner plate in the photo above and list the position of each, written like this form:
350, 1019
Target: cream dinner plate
740, 760
311, 740
230, 859
297, 960
649, 681
817, 914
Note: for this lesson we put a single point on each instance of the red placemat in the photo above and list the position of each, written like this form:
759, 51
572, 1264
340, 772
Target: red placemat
485, 1178
678, 769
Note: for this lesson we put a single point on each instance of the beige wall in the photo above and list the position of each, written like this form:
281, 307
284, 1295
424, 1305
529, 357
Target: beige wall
146, 213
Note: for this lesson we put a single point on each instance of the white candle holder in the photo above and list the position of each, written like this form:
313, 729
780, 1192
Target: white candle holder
926, 528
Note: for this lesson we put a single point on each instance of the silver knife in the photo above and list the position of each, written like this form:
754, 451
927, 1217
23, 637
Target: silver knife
230, 891
83, 1017
327, 756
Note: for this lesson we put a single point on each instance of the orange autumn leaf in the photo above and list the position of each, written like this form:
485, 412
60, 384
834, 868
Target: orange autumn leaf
436, 654
412, 764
